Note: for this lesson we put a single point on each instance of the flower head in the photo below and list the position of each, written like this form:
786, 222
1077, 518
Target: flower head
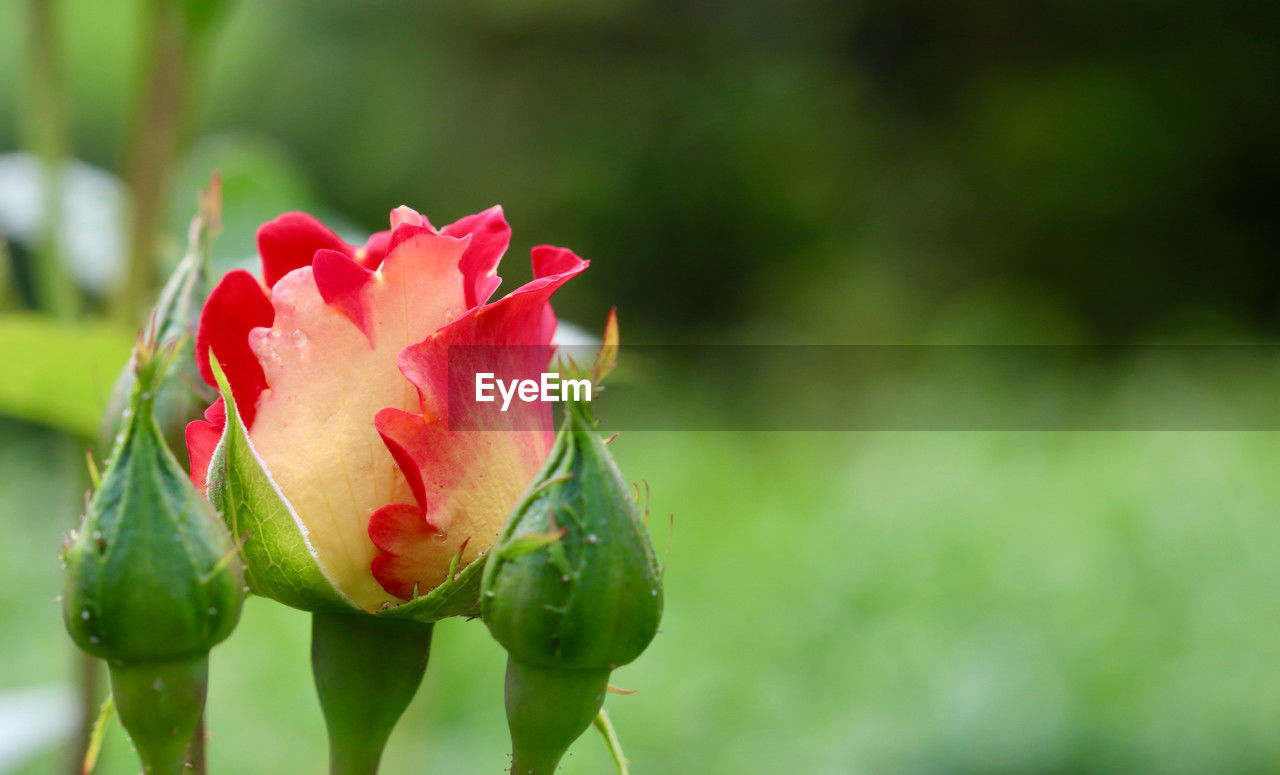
335, 365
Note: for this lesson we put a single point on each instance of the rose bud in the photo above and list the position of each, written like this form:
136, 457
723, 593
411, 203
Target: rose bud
152, 581
572, 590
181, 396
331, 453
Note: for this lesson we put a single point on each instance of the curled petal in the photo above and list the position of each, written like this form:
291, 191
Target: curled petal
202, 439
290, 241
236, 306
416, 540
346, 286
490, 236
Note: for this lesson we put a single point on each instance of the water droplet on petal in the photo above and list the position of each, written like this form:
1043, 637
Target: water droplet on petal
299, 338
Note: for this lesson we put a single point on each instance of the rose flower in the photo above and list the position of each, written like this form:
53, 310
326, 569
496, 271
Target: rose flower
352, 489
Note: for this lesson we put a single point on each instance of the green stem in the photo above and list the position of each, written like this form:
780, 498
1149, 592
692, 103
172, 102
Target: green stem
547, 709
153, 146
366, 670
605, 727
88, 697
45, 126
159, 704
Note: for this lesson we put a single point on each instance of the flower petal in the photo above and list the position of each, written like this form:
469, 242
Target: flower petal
346, 286
490, 236
310, 355
202, 437
236, 306
470, 479
291, 241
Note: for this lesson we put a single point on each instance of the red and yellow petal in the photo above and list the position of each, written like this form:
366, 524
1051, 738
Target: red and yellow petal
328, 379
290, 241
469, 479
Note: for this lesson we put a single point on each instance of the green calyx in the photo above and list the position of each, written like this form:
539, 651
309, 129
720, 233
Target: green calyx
572, 590
151, 574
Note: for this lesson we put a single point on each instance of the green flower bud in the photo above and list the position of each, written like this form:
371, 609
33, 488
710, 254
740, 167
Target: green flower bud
152, 581
572, 590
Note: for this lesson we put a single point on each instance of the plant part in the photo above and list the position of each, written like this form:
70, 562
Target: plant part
152, 582
332, 453
572, 590
180, 395
336, 367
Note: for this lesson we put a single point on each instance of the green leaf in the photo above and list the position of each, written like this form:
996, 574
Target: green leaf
59, 374
279, 560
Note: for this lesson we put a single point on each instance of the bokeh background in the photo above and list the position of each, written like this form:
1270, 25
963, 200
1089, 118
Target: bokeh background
870, 172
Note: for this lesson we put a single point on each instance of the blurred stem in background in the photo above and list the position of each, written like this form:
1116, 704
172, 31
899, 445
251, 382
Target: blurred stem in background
45, 130
44, 126
156, 124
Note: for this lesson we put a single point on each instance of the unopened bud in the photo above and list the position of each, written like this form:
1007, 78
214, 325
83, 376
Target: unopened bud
572, 590
152, 580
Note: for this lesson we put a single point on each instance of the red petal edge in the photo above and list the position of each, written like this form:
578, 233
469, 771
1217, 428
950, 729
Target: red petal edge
490, 237
236, 306
421, 444
344, 285
290, 241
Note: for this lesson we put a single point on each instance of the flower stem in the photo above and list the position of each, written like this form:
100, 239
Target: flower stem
46, 132
547, 709
152, 148
159, 704
366, 670
605, 727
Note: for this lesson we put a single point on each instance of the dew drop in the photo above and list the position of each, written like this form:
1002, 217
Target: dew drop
84, 615
565, 578
299, 338
591, 538
94, 639
146, 395
213, 611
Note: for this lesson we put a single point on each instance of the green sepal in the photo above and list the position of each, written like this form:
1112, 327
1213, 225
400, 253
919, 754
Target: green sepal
279, 561
459, 596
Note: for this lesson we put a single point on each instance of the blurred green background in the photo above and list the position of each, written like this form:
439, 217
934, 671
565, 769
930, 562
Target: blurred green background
753, 172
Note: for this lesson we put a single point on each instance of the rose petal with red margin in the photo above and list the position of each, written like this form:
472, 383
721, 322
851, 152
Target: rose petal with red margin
471, 478
236, 306
202, 438
490, 237
290, 242
345, 286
